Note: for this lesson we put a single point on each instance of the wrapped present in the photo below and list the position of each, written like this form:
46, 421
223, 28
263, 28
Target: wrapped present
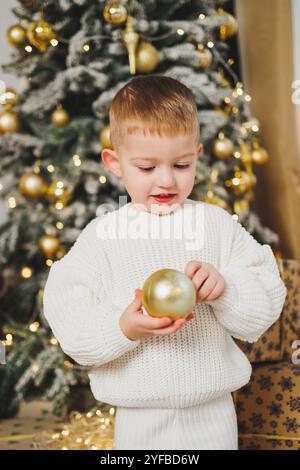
276, 343
268, 408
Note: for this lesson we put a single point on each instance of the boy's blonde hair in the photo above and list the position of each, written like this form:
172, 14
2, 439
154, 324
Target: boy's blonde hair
156, 103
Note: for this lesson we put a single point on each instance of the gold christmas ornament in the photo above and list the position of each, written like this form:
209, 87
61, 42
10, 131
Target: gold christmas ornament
203, 57
114, 12
9, 98
104, 137
60, 116
16, 35
230, 28
241, 206
147, 57
32, 185
9, 122
222, 147
49, 245
259, 154
131, 39
241, 182
40, 33
59, 192
168, 293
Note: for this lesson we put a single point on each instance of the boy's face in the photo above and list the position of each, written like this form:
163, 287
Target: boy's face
151, 165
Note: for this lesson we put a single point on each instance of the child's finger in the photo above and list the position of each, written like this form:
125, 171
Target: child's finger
170, 329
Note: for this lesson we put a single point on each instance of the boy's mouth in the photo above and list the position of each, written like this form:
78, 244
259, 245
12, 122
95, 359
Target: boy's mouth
163, 197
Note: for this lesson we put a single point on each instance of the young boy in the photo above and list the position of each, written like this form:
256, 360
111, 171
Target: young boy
171, 381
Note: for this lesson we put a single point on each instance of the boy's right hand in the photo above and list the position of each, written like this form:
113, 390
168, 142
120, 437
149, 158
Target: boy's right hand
135, 325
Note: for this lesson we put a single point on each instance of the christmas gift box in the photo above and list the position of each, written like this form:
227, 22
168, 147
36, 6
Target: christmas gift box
268, 408
276, 343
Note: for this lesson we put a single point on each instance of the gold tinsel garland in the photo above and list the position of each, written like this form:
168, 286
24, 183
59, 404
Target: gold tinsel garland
85, 431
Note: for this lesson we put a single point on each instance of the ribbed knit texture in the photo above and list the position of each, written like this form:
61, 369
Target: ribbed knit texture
89, 288
207, 426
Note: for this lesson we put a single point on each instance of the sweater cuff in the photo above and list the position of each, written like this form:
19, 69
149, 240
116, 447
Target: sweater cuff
115, 339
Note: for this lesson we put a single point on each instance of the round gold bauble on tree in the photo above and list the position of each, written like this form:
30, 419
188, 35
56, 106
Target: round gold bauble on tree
32, 185
203, 57
168, 293
147, 57
49, 245
40, 34
114, 12
104, 137
16, 35
59, 117
9, 98
59, 192
230, 28
259, 154
241, 182
222, 147
241, 206
9, 122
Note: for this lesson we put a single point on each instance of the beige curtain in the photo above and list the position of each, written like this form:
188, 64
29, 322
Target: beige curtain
266, 49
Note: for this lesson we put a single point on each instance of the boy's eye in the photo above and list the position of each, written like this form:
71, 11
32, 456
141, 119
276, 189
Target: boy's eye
180, 167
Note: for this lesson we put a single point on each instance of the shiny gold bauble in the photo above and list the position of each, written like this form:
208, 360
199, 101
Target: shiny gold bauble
16, 35
168, 293
60, 116
104, 137
222, 147
9, 122
49, 245
259, 155
147, 57
32, 185
58, 192
9, 98
40, 33
243, 182
203, 57
230, 28
114, 12
240, 206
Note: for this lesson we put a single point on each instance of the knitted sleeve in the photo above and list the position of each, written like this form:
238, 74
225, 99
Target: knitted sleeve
254, 292
82, 317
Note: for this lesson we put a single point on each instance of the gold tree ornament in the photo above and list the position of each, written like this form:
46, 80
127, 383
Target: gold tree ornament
59, 117
147, 57
168, 293
114, 12
222, 147
104, 137
58, 192
203, 57
16, 35
131, 39
9, 98
32, 185
49, 245
241, 206
40, 34
9, 122
230, 28
259, 154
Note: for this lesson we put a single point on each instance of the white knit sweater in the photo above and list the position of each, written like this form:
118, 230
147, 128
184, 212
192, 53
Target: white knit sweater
89, 288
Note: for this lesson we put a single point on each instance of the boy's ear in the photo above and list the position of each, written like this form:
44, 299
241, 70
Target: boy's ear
111, 161
199, 149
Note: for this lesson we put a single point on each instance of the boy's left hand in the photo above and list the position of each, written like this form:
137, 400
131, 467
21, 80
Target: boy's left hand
208, 281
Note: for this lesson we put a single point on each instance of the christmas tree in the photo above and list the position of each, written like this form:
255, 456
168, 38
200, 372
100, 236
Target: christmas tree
74, 55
